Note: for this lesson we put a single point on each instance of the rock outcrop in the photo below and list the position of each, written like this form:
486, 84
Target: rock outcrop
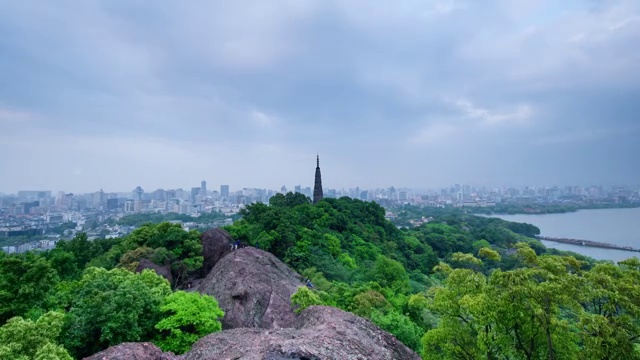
253, 288
133, 351
164, 271
320, 332
216, 243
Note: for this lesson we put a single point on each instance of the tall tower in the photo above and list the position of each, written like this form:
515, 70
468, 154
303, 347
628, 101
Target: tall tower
317, 187
203, 188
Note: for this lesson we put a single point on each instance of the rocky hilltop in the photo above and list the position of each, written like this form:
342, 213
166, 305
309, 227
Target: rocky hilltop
320, 332
133, 351
216, 243
254, 289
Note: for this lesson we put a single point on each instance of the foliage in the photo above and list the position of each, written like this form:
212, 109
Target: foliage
69, 258
303, 298
552, 309
22, 339
156, 218
360, 262
489, 254
457, 287
190, 316
391, 274
108, 307
165, 244
399, 325
26, 282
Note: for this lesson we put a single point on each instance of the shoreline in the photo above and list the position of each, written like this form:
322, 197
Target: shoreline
558, 211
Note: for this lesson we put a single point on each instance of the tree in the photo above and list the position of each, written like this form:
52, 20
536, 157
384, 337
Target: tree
610, 327
303, 298
400, 326
164, 244
460, 302
365, 303
108, 307
22, 339
489, 254
82, 249
391, 274
190, 316
25, 284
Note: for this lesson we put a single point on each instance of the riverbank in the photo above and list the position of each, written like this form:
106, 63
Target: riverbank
543, 209
619, 227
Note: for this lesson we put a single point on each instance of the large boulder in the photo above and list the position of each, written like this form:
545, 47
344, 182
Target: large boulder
133, 351
216, 243
253, 288
320, 333
164, 271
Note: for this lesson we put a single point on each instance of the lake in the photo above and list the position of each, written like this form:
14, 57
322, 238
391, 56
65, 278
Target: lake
614, 226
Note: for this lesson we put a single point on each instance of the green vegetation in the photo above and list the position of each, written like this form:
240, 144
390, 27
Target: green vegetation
553, 309
165, 244
458, 287
22, 339
190, 316
408, 212
82, 296
534, 208
493, 285
116, 304
303, 298
156, 218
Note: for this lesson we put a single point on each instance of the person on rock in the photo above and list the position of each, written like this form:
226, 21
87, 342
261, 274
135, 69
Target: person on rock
309, 284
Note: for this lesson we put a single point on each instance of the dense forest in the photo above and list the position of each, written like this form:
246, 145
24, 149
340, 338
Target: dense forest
144, 218
458, 287
83, 296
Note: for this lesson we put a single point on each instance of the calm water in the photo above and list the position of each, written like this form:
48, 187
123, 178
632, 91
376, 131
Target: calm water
614, 226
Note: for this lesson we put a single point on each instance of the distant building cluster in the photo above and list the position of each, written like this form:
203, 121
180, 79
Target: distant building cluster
49, 217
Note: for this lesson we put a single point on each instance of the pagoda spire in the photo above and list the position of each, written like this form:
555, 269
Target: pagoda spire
317, 187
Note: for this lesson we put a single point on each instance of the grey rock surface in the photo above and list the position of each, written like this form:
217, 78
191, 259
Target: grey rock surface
253, 288
320, 332
164, 271
133, 351
216, 243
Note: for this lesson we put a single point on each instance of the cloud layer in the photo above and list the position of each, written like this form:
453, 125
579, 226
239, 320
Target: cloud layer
114, 94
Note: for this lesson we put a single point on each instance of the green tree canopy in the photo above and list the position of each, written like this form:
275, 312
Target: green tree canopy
189, 316
108, 307
303, 298
22, 339
26, 281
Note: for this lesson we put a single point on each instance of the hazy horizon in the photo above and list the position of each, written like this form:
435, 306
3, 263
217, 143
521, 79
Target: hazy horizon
422, 94
291, 188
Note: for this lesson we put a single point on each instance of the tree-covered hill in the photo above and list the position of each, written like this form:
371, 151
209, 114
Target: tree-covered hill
457, 287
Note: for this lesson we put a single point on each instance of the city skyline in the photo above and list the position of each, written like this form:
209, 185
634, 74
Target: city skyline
224, 190
116, 94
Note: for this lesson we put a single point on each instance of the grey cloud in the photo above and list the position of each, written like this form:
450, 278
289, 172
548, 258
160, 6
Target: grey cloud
477, 91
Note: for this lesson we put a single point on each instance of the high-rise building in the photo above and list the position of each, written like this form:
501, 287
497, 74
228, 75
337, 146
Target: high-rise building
129, 206
194, 193
203, 188
317, 187
112, 204
224, 191
137, 193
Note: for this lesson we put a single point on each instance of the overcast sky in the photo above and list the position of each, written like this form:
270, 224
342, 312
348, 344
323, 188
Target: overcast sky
419, 93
